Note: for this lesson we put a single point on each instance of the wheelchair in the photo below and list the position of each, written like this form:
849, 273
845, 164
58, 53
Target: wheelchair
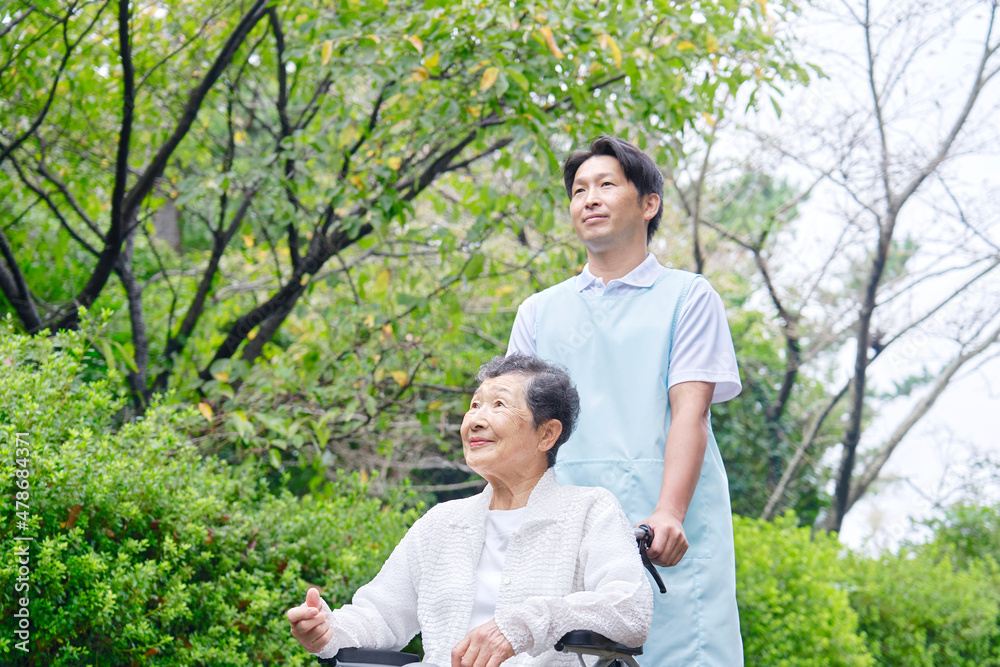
580, 642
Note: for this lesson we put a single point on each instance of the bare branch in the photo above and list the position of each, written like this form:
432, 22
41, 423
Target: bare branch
808, 439
919, 410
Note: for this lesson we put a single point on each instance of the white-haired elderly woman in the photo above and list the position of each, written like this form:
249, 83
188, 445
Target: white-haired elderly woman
501, 576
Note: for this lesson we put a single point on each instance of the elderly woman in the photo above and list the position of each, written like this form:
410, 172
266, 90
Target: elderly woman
503, 574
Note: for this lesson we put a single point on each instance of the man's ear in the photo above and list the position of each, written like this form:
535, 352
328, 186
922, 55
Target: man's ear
650, 205
548, 433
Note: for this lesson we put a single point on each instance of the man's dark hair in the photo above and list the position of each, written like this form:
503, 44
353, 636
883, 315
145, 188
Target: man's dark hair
548, 391
639, 169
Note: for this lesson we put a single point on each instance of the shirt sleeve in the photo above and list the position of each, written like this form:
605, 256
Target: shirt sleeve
522, 335
703, 347
383, 612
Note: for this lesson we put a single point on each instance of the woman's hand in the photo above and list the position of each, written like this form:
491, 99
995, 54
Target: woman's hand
484, 646
309, 623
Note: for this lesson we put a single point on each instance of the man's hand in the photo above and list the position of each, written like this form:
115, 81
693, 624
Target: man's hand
309, 623
484, 646
669, 540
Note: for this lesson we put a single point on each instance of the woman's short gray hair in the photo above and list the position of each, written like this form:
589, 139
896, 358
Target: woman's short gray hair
548, 391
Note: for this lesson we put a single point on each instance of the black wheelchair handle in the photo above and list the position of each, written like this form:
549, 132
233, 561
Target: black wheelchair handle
644, 536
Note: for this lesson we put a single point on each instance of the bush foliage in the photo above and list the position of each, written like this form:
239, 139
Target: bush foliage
145, 553
794, 611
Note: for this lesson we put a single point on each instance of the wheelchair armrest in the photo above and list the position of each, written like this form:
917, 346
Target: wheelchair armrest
351, 657
593, 641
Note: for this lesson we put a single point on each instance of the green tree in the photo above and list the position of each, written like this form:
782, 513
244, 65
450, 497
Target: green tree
267, 140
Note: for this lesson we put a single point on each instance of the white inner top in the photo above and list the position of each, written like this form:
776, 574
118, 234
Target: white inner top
500, 525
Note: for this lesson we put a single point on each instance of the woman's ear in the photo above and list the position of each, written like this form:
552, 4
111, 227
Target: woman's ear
548, 434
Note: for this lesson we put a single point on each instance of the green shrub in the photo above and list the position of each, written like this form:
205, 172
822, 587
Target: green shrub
973, 531
919, 608
144, 553
794, 611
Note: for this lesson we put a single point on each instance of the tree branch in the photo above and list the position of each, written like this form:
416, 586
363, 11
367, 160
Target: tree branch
44, 196
60, 70
16, 289
14, 21
778, 494
176, 343
145, 183
919, 410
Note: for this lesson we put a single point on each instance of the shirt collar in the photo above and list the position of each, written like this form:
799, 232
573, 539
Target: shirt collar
643, 275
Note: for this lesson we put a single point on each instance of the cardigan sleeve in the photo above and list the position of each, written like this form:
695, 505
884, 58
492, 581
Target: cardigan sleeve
617, 600
383, 612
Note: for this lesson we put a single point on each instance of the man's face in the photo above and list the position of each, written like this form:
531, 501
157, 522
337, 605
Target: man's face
605, 207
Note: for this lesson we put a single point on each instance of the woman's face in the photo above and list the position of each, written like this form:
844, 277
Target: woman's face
498, 437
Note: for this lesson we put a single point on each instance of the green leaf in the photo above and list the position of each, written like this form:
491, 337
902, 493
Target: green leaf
475, 266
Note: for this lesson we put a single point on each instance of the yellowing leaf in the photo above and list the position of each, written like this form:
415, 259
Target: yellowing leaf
357, 182
221, 376
490, 75
206, 410
616, 53
434, 405
478, 66
347, 136
417, 43
551, 41
239, 136
382, 281
304, 280
363, 476
400, 378
327, 51
374, 38
394, 163
433, 61
708, 118
252, 334
420, 73
248, 240
503, 289
685, 46
370, 321
387, 329
712, 44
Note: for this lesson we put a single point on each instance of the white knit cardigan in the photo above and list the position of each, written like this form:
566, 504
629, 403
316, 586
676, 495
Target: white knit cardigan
573, 565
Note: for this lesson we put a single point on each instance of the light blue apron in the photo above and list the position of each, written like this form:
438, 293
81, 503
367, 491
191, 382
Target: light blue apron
617, 350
